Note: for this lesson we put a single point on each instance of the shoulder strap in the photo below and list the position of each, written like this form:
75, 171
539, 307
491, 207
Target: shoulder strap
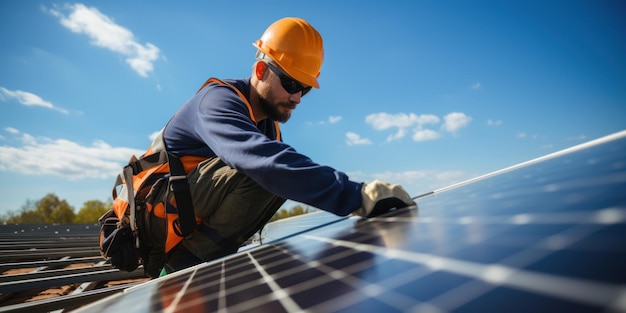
243, 98
182, 193
178, 185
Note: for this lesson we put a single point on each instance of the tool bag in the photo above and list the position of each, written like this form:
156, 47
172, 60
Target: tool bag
152, 212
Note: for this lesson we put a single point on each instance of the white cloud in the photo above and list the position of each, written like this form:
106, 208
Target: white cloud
401, 121
64, 158
381, 121
331, 120
425, 134
415, 124
450, 176
28, 99
415, 182
334, 119
399, 134
494, 123
105, 33
455, 121
154, 135
399, 177
522, 135
578, 138
476, 85
12, 130
353, 139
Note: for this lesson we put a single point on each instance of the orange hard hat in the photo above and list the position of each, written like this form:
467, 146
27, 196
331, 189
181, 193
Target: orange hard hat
296, 47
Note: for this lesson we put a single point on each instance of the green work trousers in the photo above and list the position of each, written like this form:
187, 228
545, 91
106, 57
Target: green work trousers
232, 207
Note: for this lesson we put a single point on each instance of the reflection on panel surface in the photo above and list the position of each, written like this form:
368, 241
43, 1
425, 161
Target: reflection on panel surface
546, 237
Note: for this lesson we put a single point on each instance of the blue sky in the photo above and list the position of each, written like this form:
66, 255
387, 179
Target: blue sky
422, 93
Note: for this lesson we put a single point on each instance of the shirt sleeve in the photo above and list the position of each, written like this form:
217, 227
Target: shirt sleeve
224, 124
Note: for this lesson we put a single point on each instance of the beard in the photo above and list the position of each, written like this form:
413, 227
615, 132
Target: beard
272, 110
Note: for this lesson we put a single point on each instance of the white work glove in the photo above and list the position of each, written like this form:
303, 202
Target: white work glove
380, 197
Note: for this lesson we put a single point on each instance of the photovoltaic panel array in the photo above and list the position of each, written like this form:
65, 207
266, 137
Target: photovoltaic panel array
546, 236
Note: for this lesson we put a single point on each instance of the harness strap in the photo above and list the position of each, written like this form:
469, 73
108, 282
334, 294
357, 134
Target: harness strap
128, 177
180, 187
177, 182
215, 236
149, 161
135, 167
243, 98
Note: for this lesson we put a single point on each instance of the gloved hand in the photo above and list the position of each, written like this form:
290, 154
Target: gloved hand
380, 197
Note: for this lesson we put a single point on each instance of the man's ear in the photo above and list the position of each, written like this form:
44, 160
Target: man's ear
259, 69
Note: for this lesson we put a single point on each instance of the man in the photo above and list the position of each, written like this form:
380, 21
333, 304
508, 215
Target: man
249, 172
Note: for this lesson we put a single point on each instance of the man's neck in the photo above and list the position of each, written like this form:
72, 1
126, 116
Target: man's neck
257, 111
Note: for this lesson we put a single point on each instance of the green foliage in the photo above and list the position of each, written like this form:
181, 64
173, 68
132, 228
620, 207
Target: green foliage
284, 213
28, 217
48, 210
91, 211
52, 210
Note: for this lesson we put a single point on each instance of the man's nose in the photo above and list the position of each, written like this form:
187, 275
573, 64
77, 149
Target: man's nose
295, 98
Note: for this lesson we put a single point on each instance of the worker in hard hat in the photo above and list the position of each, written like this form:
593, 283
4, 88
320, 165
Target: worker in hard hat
248, 171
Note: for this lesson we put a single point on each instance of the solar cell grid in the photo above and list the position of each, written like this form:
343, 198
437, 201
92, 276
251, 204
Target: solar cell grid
547, 236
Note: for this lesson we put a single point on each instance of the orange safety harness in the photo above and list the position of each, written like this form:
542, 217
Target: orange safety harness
141, 185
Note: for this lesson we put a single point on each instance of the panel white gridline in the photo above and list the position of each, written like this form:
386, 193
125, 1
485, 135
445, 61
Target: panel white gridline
545, 237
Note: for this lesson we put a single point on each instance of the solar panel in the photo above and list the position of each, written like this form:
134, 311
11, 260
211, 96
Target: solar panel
548, 235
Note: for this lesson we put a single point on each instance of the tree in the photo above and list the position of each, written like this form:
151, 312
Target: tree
284, 213
55, 210
28, 217
91, 211
27, 213
298, 210
49, 209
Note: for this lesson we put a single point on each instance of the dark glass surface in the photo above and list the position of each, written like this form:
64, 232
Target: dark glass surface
547, 236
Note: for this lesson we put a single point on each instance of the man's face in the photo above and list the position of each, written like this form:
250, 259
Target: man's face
277, 110
276, 102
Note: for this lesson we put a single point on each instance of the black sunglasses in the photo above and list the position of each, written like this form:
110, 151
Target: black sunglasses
291, 85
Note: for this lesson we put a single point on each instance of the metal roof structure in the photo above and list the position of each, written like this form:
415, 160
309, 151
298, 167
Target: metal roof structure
55, 268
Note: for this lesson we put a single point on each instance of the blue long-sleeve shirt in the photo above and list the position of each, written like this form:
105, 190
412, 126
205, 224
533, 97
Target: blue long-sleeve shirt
216, 122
